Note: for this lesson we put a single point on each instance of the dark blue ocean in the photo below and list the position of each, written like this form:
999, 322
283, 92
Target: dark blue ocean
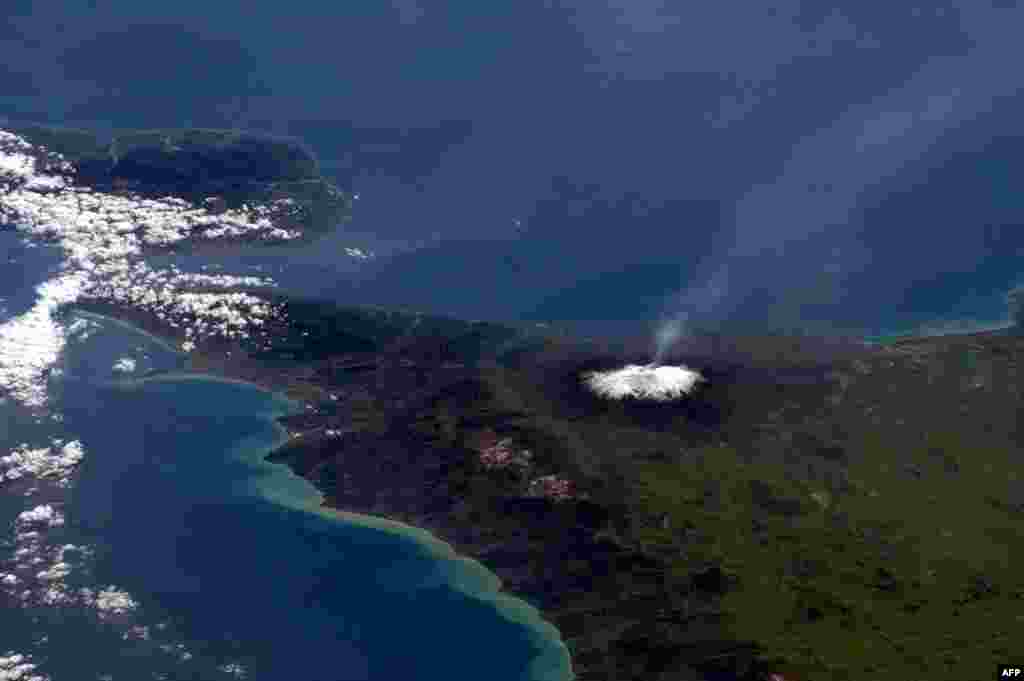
569, 161
224, 565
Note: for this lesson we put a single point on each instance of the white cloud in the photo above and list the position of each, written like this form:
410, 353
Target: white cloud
101, 235
31, 342
114, 601
44, 514
55, 572
17, 667
124, 365
358, 253
233, 669
54, 463
644, 382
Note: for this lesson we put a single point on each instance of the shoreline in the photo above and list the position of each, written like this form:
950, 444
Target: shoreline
571, 565
482, 583
749, 532
626, 572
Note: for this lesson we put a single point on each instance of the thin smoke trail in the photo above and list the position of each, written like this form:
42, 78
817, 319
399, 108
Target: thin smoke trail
696, 302
865, 146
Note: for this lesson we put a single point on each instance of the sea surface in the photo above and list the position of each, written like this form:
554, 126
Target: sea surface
145, 536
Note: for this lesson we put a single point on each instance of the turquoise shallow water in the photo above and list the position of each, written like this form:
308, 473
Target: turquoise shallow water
230, 559
233, 568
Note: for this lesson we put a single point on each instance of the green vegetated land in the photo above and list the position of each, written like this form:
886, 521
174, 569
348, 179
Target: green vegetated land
237, 167
850, 519
864, 527
878, 582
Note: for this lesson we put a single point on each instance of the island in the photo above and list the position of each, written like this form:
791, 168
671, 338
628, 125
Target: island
811, 510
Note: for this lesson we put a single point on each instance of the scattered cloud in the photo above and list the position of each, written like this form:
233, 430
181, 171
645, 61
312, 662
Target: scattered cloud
18, 667
125, 365
44, 514
54, 463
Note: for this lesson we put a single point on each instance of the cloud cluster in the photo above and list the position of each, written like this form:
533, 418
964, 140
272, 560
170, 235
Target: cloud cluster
643, 382
44, 514
104, 236
112, 601
31, 342
54, 463
125, 365
17, 667
92, 225
43, 573
38, 571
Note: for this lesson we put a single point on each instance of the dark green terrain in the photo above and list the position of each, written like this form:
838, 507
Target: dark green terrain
219, 169
819, 511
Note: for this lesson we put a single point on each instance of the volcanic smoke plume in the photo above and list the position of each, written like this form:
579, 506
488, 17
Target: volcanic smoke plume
644, 382
795, 237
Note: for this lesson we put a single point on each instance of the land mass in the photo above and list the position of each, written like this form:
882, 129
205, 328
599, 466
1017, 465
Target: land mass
813, 511
247, 174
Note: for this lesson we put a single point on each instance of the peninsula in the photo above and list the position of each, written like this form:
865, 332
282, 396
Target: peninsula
810, 511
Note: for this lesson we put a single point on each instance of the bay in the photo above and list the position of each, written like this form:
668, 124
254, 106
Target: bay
233, 566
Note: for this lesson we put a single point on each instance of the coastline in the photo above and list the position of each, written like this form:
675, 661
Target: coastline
750, 531
475, 579
573, 564
640, 581
578, 566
